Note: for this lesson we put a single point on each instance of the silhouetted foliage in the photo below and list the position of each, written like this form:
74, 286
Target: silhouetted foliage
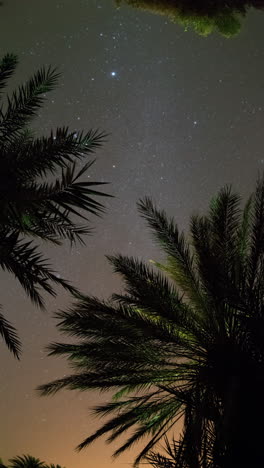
31, 205
27, 461
189, 346
167, 459
173, 457
203, 16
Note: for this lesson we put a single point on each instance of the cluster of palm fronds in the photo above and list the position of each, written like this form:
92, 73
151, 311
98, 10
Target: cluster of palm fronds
27, 461
187, 344
32, 206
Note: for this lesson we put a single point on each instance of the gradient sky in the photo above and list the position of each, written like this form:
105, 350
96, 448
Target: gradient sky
185, 116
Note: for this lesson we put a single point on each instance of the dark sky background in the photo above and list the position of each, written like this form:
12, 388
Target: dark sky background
185, 116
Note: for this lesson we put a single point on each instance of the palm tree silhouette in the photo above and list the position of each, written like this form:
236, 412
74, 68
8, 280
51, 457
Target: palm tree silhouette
27, 461
183, 342
36, 203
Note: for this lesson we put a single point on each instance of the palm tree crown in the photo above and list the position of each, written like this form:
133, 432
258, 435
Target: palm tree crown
32, 206
185, 339
27, 461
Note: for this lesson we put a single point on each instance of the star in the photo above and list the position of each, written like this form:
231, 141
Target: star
113, 73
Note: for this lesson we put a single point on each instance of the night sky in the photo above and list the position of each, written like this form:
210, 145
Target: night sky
184, 116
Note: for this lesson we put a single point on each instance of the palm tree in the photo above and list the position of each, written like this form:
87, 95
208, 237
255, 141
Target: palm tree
183, 342
32, 205
27, 461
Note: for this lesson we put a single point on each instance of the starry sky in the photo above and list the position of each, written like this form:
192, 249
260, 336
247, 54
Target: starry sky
184, 116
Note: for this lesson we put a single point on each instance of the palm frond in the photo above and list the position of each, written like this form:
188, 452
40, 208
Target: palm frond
45, 209
53, 466
22, 106
180, 259
54, 228
7, 67
243, 244
149, 414
255, 260
44, 155
9, 334
67, 194
26, 461
29, 267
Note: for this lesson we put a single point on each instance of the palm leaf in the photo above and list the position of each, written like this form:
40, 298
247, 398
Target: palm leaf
22, 106
8, 333
26, 461
181, 265
44, 155
7, 67
29, 267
